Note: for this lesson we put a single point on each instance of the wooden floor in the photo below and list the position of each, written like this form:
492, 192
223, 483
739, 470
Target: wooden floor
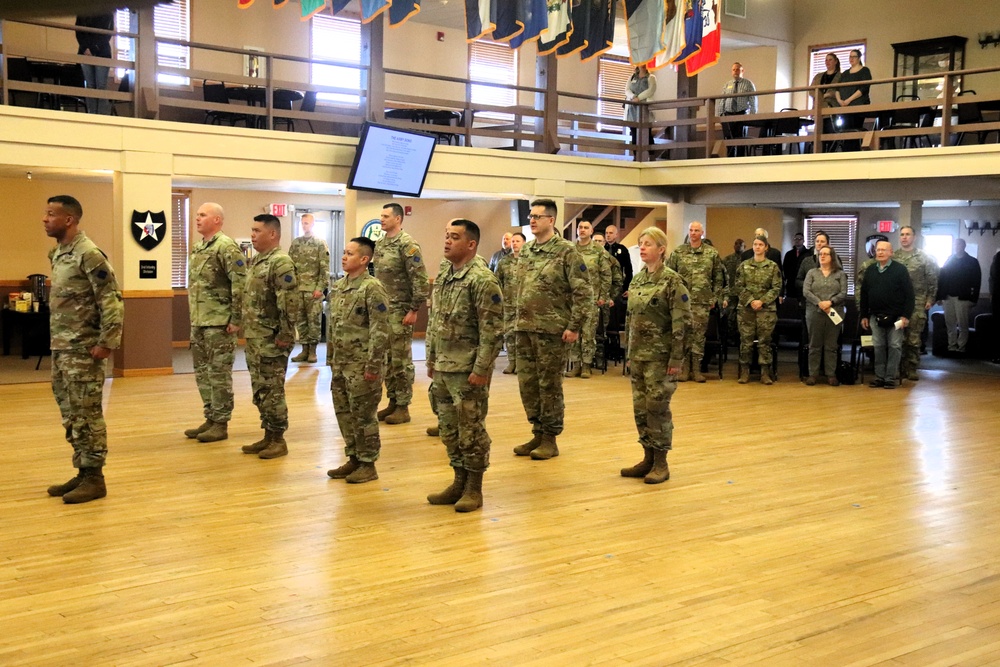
802, 526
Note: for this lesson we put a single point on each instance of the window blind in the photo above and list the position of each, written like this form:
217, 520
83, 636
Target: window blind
843, 233
495, 63
173, 21
339, 39
180, 202
613, 74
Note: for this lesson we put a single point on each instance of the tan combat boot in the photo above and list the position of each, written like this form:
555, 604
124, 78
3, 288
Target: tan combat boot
434, 431
277, 447
401, 415
546, 450
511, 369
365, 473
696, 373
63, 489
343, 471
528, 447
450, 495
685, 369
91, 487
575, 373
660, 471
303, 355
259, 446
193, 433
472, 497
642, 468
585, 370
744, 375
765, 376
387, 410
217, 431
312, 358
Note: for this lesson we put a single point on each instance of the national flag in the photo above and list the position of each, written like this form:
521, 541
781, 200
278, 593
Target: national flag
694, 28
372, 8
503, 15
478, 21
312, 7
673, 33
711, 41
534, 16
244, 4
401, 10
644, 20
558, 29
279, 3
578, 39
601, 31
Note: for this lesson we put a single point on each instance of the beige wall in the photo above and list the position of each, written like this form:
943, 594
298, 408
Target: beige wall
725, 225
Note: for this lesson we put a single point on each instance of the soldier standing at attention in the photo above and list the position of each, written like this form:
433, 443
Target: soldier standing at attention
924, 276
658, 308
463, 340
701, 268
216, 273
86, 314
758, 283
399, 266
269, 315
312, 268
551, 305
598, 261
508, 273
357, 335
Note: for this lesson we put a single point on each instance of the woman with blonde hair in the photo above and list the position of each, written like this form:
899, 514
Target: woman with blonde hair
658, 310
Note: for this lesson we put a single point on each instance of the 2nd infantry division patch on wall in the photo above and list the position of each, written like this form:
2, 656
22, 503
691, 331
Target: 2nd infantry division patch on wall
148, 228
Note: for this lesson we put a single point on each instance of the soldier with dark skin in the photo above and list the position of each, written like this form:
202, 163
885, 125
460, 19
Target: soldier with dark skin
312, 269
86, 315
464, 336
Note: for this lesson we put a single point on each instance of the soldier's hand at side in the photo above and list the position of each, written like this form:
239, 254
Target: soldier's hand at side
282, 344
477, 380
927, 306
232, 328
371, 377
99, 352
601, 302
864, 323
410, 318
673, 370
725, 304
570, 336
317, 294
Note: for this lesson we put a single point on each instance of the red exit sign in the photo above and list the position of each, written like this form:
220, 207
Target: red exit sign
280, 210
884, 226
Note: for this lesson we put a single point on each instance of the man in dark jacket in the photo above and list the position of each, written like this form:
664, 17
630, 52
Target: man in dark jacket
886, 304
99, 46
958, 289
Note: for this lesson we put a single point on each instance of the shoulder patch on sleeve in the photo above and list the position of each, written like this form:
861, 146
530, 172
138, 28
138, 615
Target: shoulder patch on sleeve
684, 297
239, 262
496, 298
583, 267
288, 278
102, 274
381, 308
416, 258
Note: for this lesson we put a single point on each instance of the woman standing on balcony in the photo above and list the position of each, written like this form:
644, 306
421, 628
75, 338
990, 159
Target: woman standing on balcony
641, 87
830, 76
854, 96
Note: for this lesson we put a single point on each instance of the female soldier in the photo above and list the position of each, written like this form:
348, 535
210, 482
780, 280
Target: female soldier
758, 282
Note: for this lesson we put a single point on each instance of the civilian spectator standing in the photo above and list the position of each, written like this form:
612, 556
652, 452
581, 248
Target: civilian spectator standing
958, 289
745, 103
641, 88
790, 265
620, 253
886, 298
825, 291
854, 96
99, 46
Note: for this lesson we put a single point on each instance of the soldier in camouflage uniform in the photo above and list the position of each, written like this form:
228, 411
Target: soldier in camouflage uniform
86, 314
399, 266
509, 275
464, 336
730, 263
701, 268
216, 273
551, 305
924, 276
758, 283
605, 343
312, 268
598, 261
270, 312
859, 279
658, 310
357, 335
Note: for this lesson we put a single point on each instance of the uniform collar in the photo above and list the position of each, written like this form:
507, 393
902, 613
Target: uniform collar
64, 249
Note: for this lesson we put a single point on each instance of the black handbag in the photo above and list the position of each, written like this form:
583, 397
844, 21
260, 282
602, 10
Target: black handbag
884, 321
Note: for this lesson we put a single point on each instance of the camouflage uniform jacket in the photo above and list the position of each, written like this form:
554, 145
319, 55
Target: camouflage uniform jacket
730, 264
598, 261
85, 307
358, 327
658, 310
923, 274
465, 331
702, 271
269, 311
312, 263
758, 280
617, 279
216, 273
555, 292
508, 274
399, 266
859, 279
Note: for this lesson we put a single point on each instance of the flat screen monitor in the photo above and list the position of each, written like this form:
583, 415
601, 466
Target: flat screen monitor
391, 160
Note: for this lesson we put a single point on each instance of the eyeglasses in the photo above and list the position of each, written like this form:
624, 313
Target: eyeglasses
539, 217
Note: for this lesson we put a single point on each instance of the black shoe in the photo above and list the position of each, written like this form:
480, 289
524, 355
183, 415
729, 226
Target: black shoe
876, 383
890, 384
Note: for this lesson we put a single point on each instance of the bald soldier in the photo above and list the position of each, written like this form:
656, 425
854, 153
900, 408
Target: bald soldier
598, 261
924, 276
312, 269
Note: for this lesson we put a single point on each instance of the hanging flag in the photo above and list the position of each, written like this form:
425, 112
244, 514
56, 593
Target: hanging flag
694, 27
534, 16
401, 10
477, 19
578, 39
279, 3
372, 8
558, 29
503, 16
673, 34
244, 4
601, 29
644, 21
711, 40
311, 7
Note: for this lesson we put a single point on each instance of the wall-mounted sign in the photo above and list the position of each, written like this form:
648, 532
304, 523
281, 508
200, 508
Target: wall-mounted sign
373, 230
279, 210
148, 228
872, 241
885, 227
147, 269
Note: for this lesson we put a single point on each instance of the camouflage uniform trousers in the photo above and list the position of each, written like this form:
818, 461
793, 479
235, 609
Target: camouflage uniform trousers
355, 402
461, 413
694, 334
540, 359
585, 346
756, 325
509, 337
399, 373
652, 390
213, 352
911, 340
310, 318
601, 335
267, 380
78, 386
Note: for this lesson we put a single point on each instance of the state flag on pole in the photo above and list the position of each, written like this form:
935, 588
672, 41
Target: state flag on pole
601, 32
644, 21
372, 8
311, 7
504, 18
558, 29
244, 4
578, 39
402, 10
694, 28
534, 16
711, 41
478, 21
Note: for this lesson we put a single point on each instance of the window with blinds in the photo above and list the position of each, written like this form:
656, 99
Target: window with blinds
495, 63
843, 233
613, 74
179, 227
125, 21
336, 38
170, 20
817, 57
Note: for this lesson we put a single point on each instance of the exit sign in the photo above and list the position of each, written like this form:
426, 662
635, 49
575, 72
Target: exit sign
884, 226
279, 210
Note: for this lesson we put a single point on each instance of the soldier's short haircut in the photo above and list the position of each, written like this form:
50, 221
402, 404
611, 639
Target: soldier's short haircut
366, 244
471, 228
550, 206
69, 204
908, 227
397, 210
761, 237
523, 237
269, 221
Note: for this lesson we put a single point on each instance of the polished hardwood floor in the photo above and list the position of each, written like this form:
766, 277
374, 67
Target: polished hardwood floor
821, 526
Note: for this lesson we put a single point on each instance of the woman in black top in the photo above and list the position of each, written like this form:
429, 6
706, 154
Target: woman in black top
853, 96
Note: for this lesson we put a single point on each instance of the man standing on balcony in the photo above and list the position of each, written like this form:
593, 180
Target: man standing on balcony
924, 276
99, 46
399, 266
312, 268
746, 103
